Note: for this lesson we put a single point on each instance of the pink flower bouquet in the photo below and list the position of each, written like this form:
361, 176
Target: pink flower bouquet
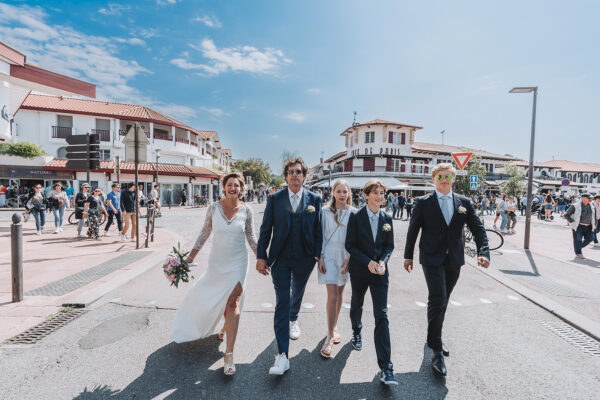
175, 267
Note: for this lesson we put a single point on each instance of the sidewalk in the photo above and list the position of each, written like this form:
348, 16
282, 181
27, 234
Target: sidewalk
550, 271
61, 269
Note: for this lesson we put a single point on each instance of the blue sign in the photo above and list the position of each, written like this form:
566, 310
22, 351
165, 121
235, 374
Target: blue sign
474, 179
566, 182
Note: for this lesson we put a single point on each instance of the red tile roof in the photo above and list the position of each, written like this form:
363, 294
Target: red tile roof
337, 156
572, 166
104, 108
379, 122
447, 149
227, 152
129, 168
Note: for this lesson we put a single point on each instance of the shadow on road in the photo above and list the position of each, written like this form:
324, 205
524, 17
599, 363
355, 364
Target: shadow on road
184, 371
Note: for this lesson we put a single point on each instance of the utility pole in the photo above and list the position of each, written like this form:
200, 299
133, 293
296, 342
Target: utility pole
443, 133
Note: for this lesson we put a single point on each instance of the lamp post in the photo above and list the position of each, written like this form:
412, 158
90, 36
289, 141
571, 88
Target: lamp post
530, 89
157, 153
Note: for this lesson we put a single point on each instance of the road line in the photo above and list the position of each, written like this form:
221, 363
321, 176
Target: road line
485, 301
455, 303
420, 304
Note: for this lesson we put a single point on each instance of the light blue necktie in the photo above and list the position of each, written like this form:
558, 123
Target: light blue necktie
374, 223
295, 202
446, 209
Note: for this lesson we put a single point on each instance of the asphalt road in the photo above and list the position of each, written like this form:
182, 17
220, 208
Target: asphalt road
500, 347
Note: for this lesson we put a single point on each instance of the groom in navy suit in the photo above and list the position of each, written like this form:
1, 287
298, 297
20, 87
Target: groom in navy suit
441, 216
292, 225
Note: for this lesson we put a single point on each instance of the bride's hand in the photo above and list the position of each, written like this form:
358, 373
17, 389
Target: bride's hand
345, 266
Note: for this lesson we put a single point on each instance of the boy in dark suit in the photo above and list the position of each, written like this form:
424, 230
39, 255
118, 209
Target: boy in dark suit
370, 242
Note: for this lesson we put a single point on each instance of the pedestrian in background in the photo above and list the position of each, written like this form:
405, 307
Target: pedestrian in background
512, 214
562, 204
389, 202
582, 220
38, 206
80, 200
70, 194
409, 206
597, 230
401, 204
183, 197
113, 200
2, 195
395, 206
58, 201
128, 208
92, 209
548, 206
503, 211
523, 204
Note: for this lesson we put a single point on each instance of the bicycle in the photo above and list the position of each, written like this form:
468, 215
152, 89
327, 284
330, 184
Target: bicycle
495, 240
74, 221
200, 201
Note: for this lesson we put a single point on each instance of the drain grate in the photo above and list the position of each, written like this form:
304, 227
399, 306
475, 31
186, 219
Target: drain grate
40, 331
573, 336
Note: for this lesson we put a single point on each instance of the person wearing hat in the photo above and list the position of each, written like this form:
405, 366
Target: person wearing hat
80, 201
58, 200
582, 220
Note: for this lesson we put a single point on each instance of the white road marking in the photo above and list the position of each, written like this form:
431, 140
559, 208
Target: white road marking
507, 251
308, 305
114, 300
485, 301
455, 303
267, 305
389, 306
346, 305
150, 303
510, 296
420, 304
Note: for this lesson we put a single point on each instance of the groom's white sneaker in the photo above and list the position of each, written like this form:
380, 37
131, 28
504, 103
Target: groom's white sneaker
294, 330
281, 365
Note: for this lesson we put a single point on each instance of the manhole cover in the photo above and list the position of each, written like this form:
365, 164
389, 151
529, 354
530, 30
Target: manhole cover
40, 331
574, 336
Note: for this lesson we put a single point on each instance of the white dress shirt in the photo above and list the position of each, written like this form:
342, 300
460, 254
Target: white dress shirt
292, 194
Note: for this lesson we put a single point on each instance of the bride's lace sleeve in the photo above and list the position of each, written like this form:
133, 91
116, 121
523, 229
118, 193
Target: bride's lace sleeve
206, 229
249, 230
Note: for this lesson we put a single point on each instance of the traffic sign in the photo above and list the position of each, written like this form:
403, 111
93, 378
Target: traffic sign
85, 152
473, 185
83, 164
474, 178
462, 159
566, 182
77, 139
462, 172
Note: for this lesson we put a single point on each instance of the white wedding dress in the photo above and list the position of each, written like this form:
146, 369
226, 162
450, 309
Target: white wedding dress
201, 311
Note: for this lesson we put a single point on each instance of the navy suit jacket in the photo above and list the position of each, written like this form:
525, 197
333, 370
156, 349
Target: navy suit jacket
438, 239
276, 221
361, 244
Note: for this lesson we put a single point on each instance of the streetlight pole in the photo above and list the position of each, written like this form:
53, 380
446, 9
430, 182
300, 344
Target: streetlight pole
530, 172
157, 153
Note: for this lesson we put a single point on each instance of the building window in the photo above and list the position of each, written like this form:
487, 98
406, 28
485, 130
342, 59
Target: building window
369, 137
396, 165
585, 179
105, 154
369, 164
396, 137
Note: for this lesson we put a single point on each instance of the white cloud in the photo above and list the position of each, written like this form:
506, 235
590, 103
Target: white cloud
66, 51
145, 33
209, 20
275, 137
295, 116
314, 91
165, 2
131, 41
240, 58
114, 9
217, 112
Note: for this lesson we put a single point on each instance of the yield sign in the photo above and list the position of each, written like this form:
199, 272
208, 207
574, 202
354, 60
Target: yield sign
462, 159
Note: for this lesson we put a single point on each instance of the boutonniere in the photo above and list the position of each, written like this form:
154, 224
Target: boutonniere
462, 210
310, 209
387, 227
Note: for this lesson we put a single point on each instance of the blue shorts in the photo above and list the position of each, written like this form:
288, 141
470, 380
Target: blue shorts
562, 207
548, 206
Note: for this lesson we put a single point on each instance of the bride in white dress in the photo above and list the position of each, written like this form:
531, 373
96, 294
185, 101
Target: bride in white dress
220, 290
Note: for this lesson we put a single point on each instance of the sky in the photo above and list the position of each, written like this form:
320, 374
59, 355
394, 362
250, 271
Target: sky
286, 76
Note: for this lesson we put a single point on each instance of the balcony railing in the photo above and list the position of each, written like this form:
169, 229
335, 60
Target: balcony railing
162, 136
194, 144
181, 140
61, 131
104, 134
123, 132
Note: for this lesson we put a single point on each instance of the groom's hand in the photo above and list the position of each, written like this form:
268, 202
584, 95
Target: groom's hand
373, 267
484, 262
408, 265
261, 267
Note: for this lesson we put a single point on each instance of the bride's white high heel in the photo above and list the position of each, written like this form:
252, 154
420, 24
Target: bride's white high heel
228, 369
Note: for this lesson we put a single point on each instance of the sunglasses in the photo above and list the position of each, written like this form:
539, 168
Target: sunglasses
38, 187
294, 171
448, 177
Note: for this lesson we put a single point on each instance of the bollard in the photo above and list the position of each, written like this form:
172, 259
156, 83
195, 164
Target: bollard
16, 246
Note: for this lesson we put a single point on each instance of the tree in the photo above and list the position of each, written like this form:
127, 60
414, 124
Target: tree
277, 180
21, 149
255, 168
514, 185
473, 167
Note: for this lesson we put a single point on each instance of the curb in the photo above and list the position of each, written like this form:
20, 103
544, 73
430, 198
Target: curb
578, 321
86, 299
